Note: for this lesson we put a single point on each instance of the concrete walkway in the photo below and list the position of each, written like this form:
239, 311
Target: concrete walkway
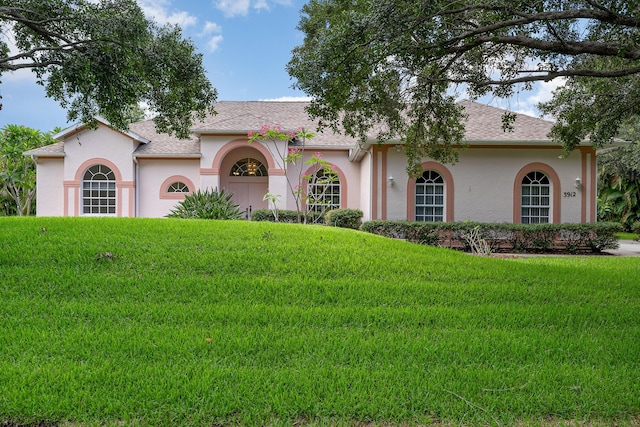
627, 248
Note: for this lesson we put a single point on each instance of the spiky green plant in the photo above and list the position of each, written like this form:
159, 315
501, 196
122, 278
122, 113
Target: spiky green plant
207, 204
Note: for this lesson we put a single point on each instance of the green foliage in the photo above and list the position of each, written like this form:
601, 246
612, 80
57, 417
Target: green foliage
635, 228
96, 57
288, 148
536, 238
394, 65
619, 185
345, 218
595, 109
207, 204
161, 322
18, 172
284, 215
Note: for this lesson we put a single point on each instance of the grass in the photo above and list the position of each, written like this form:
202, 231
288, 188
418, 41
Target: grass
196, 323
627, 236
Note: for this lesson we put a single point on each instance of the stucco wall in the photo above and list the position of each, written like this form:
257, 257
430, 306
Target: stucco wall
155, 175
49, 187
484, 180
100, 146
102, 143
484, 183
349, 173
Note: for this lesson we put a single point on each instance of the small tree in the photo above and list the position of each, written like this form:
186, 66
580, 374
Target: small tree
273, 199
279, 143
18, 172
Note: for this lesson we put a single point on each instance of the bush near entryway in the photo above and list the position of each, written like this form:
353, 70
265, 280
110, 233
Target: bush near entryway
537, 238
345, 218
207, 204
284, 215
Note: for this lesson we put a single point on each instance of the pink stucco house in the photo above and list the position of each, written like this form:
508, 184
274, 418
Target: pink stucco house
518, 176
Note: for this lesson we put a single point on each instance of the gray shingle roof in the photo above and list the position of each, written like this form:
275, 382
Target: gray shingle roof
483, 125
244, 116
52, 150
161, 144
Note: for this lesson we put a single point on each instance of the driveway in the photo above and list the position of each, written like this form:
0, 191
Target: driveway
627, 248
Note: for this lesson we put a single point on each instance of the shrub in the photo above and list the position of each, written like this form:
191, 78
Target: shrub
287, 216
570, 238
635, 228
345, 218
208, 204
391, 229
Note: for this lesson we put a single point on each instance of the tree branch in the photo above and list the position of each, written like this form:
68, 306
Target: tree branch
550, 75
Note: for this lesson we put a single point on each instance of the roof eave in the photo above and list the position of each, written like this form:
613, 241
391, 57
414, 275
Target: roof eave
33, 153
81, 126
168, 155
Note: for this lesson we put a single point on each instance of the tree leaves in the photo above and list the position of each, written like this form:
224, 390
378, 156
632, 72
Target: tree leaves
391, 67
96, 57
18, 172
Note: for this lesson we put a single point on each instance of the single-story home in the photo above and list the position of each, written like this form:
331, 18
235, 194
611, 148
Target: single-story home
519, 176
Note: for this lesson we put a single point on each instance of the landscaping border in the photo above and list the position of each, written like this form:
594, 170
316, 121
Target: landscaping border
503, 237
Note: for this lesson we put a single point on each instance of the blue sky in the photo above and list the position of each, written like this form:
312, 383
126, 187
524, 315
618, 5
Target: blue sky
246, 45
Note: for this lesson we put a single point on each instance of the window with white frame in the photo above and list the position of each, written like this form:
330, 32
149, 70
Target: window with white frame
430, 197
178, 187
323, 192
99, 191
536, 198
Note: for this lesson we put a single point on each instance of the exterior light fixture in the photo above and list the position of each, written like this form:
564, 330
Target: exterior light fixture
390, 179
578, 183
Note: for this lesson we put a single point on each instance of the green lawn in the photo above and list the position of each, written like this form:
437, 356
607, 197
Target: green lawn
627, 236
177, 322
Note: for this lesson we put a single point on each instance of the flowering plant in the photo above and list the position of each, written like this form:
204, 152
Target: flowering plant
279, 143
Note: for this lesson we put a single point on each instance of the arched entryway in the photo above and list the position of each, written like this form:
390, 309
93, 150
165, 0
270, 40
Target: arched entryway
244, 173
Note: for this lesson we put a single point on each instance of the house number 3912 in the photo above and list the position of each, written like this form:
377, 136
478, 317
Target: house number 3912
569, 194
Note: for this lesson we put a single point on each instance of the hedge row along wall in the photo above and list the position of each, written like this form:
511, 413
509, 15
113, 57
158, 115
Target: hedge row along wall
536, 238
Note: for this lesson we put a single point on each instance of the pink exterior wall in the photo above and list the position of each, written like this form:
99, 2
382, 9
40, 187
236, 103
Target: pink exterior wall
105, 146
483, 185
49, 187
155, 175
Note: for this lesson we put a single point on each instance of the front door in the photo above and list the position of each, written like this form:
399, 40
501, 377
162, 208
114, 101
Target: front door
248, 192
248, 181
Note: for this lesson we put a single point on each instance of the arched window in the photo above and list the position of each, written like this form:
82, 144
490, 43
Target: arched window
99, 191
323, 192
248, 167
430, 195
178, 187
536, 198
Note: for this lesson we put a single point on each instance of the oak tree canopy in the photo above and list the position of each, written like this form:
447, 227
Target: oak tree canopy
101, 57
399, 62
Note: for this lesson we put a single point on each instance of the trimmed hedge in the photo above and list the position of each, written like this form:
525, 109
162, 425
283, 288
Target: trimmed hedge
345, 218
284, 215
538, 238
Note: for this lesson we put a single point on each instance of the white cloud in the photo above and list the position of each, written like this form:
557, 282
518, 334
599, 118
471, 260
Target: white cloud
288, 99
545, 91
261, 4
159, 12
211, 28
214, 43
23, 74
232, 8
